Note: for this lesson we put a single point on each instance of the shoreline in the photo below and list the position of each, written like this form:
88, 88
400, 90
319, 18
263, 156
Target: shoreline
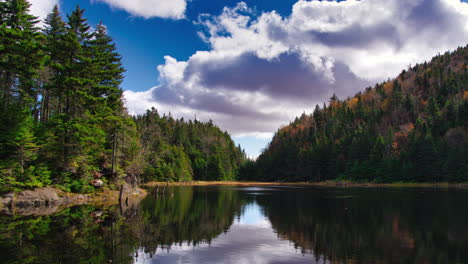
49, 200
342, 184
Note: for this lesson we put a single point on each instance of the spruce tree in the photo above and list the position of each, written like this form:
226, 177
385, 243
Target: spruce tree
74, 125
53, 95
21, 58
105, 96
21, 55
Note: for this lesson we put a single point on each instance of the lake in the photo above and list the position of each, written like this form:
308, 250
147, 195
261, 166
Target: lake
228, 224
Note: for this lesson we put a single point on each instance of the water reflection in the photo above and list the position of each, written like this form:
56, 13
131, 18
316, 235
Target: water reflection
250, 225
253, 216
249, 240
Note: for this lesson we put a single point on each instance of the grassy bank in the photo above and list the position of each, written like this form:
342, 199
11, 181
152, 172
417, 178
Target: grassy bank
112, 196
318, 184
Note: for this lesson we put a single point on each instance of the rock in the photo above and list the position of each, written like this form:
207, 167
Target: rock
47, 201
36, 211
76, 199
5, 210
6, 199
96, 214
97, 183
39, 197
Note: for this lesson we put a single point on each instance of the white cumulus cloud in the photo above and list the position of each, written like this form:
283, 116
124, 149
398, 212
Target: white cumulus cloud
263, 70
174, 9
41, 8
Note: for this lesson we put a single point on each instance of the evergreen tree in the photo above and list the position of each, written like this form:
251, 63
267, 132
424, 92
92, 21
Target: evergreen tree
53, 89
21, 57
63, 116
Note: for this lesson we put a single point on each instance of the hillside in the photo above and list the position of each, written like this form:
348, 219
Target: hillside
176, 150
411, 129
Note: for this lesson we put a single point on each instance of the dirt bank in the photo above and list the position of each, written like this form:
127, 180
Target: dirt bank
48, 200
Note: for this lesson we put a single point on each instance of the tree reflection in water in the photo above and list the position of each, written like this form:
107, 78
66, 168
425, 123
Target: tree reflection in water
338, 225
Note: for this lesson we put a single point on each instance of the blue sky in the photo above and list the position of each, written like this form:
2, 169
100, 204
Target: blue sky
255, 65
143, 42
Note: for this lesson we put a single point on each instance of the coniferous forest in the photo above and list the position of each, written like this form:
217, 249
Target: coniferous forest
176, 150
63, 120
64, 123
410, 129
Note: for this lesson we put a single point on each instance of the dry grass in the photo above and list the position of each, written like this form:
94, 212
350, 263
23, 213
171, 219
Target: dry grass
112, 196
320, 184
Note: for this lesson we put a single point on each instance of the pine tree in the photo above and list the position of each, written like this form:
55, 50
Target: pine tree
21, 57
104, 99
75, 83
107, 71
66, 119
54, 87
24, 143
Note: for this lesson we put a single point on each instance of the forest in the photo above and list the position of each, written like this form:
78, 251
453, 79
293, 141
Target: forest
184, 151
409, 129
63, 120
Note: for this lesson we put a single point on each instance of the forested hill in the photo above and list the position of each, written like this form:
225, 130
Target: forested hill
410, 129
176, 150
63, 121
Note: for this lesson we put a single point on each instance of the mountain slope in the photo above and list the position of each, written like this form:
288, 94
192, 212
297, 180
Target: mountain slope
412, 129
176, 150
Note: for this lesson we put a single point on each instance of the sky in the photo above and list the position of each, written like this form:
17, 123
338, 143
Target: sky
251, 239
253, 66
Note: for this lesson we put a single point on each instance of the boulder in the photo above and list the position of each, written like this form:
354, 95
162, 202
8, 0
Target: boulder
6, 199
38, 197
97, 183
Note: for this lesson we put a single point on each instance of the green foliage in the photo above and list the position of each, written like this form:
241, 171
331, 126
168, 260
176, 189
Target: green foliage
411, 129
63, 118
19, 152
176, 150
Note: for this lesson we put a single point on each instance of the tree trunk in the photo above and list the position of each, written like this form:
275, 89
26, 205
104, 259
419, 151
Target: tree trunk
114, 150
121, 194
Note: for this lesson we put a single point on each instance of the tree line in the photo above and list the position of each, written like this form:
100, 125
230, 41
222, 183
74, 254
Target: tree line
63, 119
410, 129
179, 150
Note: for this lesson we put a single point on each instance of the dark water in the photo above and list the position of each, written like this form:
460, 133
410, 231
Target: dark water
250, 225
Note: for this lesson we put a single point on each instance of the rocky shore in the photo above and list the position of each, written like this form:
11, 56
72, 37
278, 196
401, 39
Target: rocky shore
48, 200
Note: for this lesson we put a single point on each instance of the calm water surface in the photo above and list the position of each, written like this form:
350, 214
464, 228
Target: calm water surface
250, 225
